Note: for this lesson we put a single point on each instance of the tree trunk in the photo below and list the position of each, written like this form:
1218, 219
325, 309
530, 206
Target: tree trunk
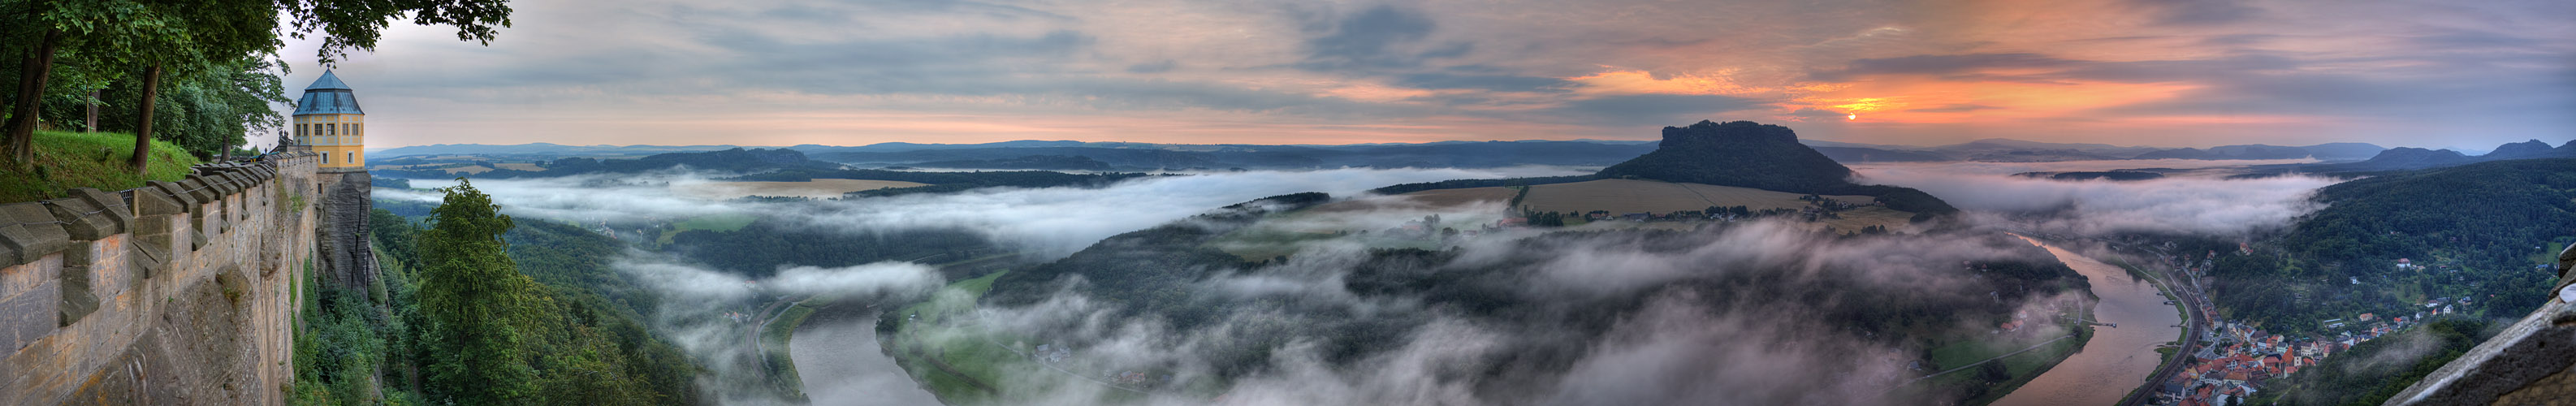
21, 128
143, 123
93, 111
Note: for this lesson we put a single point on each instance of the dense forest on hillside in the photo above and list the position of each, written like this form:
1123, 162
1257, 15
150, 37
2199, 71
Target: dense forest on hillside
758, 249
2470, 231
579, 329
2373, 371
1161, 274
943, 182
1035, 162
736, 160
1476, 183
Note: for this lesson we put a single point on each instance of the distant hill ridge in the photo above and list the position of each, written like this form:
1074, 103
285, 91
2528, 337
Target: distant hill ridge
2419, 158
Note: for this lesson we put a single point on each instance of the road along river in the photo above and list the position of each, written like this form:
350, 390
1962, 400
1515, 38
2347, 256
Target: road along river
837, 356
2117, 359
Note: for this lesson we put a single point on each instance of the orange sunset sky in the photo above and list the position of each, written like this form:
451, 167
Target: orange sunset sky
2438, 74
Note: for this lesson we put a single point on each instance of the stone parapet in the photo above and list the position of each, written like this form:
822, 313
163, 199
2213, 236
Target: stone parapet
114, 296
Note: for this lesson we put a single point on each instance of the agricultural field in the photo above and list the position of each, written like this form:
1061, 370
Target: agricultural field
818, 188
1425, 200
1634, 196
449, 167
521, 166
1620, 196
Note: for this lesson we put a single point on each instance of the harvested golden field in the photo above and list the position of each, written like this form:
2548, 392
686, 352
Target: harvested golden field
818, 188
1621, 196
1428, 199
1855, 219
1634, 196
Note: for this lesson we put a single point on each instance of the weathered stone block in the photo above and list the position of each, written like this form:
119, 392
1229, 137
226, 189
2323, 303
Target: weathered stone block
81, 219
29, 316
28, 231
148, 260
196, 186
177, 194
115, 210
157, 201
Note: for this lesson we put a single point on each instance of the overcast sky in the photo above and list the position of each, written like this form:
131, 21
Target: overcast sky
2445, 73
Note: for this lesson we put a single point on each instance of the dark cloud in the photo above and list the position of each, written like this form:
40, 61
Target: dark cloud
1153, 67
1504, 83
1941, 65
2199, 12
1652, 109
1376, 38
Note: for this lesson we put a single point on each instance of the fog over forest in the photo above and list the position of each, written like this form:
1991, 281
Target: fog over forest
1673, 332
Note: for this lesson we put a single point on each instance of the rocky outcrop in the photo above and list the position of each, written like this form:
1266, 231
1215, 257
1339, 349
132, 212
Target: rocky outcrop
347, 261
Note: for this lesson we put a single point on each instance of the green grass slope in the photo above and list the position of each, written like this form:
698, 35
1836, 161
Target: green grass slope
66, 160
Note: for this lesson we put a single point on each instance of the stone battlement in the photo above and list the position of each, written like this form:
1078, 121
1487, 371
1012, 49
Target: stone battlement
173, 293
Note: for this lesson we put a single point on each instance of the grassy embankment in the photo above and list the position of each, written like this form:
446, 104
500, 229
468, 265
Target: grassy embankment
2021, 367
66, 160
957, 366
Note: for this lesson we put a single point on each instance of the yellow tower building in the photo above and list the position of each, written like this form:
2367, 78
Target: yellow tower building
328, 120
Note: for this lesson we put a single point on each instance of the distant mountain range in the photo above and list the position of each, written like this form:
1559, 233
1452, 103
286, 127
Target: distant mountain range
2396, 159
1131, 156
2011, 150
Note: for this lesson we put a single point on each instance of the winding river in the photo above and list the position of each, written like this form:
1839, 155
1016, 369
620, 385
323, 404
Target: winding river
836, 355
2117, 360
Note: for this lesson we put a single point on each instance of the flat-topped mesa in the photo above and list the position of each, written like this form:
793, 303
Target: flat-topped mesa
1736, 153
1761, 156
1711, 133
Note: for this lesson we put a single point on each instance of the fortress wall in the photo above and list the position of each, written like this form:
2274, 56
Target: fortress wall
175, 293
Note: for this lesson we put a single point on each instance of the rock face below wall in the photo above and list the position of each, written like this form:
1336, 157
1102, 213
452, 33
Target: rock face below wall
348, 261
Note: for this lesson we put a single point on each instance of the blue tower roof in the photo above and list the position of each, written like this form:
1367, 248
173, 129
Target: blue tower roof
327, 96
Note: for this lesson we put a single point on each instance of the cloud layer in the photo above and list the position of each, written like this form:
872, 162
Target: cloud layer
783, 72
2176, 204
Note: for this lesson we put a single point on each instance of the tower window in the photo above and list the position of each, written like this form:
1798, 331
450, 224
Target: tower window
353, 158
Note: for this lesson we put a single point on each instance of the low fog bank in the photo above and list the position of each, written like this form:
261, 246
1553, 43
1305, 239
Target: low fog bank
2210, 204
1050, 221
1753, 313
1058, 221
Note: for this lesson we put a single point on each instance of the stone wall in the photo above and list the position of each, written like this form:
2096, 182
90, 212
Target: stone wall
175, 293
